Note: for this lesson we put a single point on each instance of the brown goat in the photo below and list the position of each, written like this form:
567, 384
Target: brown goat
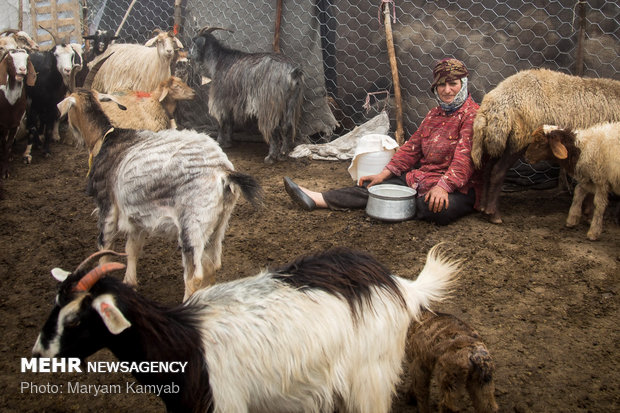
447, 345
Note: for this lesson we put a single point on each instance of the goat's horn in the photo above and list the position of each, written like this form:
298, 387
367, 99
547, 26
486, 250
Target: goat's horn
97, 255
88, 82
208, 29
11, 31
52, 34
157, 31
94, 275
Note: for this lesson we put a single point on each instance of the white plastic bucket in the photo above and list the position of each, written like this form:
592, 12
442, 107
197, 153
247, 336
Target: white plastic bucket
372, 163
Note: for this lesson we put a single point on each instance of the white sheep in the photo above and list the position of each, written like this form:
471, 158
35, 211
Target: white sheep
152, 111
591, 156
136, 67
323, 333
521, 103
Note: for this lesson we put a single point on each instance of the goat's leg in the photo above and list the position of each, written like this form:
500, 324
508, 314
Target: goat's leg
7, 142
133, 248
498, 174
224, 134
274, 141
451, 379
574, 213
108, 220
600, 204
486, 179
482, 396
33, 136
48, 137
420, 386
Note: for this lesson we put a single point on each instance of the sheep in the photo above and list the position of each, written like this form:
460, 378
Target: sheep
443, 345
16, 71
521, 103
591, 156
325, 332
177, 183
54, 69
153, 111
267, 87
137, 67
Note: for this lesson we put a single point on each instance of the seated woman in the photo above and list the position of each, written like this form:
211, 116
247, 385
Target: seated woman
435, 161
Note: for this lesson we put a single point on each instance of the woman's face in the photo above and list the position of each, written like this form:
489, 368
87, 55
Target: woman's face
447, 91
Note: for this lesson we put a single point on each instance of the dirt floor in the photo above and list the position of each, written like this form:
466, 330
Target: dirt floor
544, 298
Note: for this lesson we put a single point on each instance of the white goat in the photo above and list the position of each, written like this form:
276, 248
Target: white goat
326, 332
591, 156
169, 182
153, 111
136, 67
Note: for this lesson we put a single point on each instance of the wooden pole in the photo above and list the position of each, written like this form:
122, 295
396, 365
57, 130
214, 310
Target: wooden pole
20, 19
125, 18
177, 17
391, 53
581, 11
85, 29
276, 35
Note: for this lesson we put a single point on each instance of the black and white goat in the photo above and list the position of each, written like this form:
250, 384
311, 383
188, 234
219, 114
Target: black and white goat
54, 68
178, 183
267, 87
324, 332
16, 71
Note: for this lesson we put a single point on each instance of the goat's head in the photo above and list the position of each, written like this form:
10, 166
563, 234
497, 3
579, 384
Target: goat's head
65, 56
174, 88
85, 314
166, 43
101, 39
204, 43
547, 143
16, 66
21, 38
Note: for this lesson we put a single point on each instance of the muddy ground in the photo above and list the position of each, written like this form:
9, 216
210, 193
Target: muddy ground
544, 298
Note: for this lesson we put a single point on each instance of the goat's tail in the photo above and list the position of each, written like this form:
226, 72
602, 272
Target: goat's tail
433, 283
250, 188
482, 365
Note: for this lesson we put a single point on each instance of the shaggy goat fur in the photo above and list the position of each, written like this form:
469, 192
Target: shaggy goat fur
521, 103
151, 111
448, 347
591, 156
136, 67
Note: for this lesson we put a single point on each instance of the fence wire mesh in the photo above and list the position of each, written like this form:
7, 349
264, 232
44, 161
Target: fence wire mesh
341, 44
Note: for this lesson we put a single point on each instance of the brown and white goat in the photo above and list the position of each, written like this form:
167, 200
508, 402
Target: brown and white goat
152, 111
175, 183
591, 156
16, 71
137, 67
448, 347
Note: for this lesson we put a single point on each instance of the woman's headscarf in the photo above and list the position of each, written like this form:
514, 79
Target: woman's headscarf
446, 70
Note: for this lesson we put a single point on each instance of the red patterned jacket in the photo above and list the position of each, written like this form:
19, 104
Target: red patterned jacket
441, 150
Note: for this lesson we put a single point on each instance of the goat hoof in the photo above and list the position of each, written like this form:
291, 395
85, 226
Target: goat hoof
269, 160
27, 159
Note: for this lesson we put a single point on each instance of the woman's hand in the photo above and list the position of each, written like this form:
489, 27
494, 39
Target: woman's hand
375, 179
437, 199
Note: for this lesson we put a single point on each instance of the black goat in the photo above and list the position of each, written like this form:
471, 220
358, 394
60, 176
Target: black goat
99, 42
54, 68
267, 87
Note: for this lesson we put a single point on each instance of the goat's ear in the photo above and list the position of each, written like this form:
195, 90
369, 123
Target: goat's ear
31, 75
59, 274
559, 150
66, 104
112, 317
164, 93
104, 97
178, 43
4, 71
151, 42
89, 37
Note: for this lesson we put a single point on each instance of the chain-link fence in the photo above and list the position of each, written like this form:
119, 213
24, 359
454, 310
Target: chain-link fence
341, 44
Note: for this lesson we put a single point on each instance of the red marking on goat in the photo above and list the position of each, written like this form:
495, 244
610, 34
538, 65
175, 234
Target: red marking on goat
143, 95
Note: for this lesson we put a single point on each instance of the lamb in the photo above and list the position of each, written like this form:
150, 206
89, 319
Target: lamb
16, 71
176, 183
521, 103
268, 343
267, 87
137, 67
591, 156
153, 111
443, 345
